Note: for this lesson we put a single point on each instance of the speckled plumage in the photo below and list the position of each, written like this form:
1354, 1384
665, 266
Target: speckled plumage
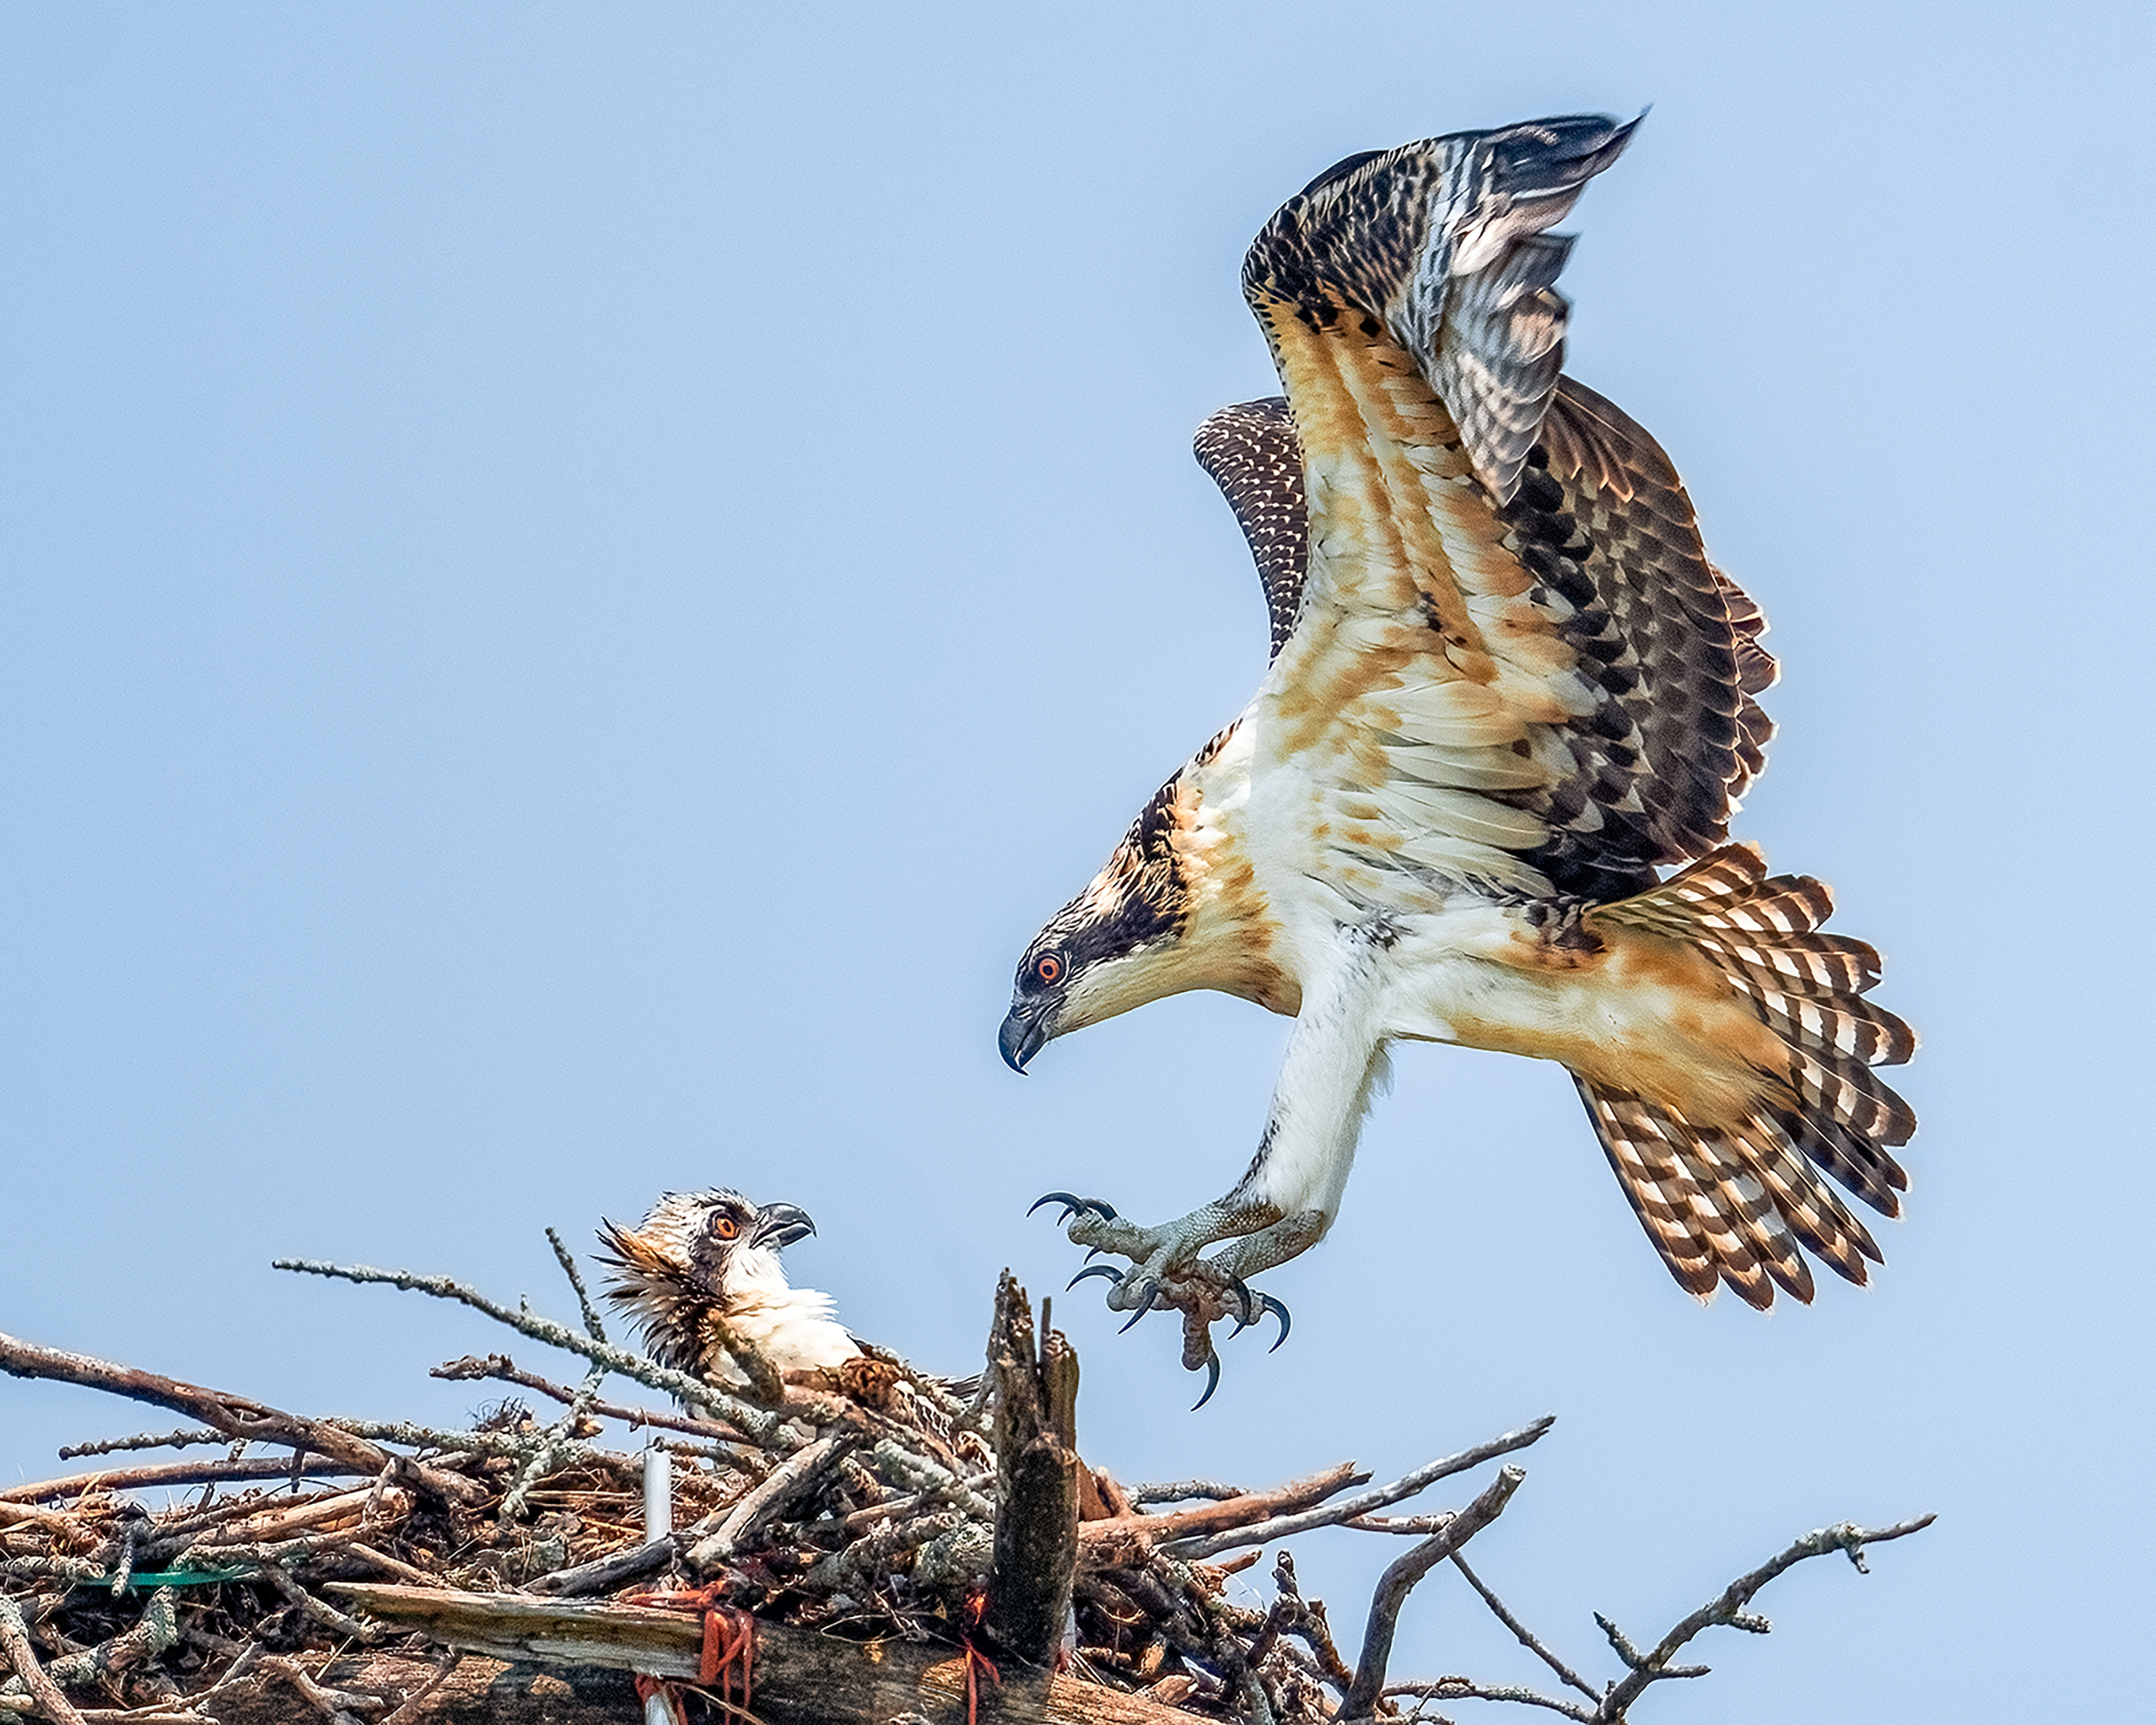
1507, 691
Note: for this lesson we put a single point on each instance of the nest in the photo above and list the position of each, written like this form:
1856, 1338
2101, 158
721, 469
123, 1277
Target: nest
897, 1515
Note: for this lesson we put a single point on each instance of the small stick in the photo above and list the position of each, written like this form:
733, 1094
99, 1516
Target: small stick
451, 1658
502, 1369
1525, 1635
792, 1476
1399, 1578
320, 1610
181, 1440
1181, 1491
52, 1520
1407, 1485
235, 1416
1727, 1608
1240, 1510
15, 1643
382, 1560
1467, 1689
328, 1702
179, 1473
567, 1260
759, 1424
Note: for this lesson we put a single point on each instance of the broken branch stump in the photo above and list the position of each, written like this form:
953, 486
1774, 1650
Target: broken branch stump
1036, 1433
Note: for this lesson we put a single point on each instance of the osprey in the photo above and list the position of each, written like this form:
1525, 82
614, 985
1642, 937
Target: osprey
700, 1255
704, 1256
1507, 691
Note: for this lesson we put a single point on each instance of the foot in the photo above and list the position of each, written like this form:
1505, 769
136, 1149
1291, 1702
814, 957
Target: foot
1168, 1273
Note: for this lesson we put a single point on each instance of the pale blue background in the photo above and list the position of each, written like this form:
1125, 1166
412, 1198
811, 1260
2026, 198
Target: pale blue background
580, 578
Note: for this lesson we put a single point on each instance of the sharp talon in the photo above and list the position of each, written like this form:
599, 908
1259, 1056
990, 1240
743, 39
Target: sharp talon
1212, 1381
1093, 1252
1109, 1271
1147, 1287
1072, 1204
1267, 1303
1248, 1315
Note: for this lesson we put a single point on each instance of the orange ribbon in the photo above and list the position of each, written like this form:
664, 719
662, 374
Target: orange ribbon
728, 1654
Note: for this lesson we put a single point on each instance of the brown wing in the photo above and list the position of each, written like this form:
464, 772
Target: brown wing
1690, 661
1252, 453
1513, 661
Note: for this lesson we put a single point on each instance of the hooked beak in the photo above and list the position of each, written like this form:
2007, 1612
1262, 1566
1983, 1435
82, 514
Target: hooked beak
780, 1224
1026, 1027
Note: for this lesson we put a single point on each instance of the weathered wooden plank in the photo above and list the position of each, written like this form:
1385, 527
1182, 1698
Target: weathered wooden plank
545, 1664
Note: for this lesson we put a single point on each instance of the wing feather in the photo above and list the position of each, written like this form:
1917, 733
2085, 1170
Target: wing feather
1252, 453
1498, 592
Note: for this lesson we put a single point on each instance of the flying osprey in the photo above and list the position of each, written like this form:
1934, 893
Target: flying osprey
1507, 689
704, 1256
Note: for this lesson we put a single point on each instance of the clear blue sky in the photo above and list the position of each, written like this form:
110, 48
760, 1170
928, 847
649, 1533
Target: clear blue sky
578, 580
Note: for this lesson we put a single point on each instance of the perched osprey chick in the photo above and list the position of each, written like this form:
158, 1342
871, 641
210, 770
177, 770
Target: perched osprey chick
701, 1256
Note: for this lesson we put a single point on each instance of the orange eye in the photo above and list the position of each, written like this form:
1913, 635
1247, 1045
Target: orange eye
725, 1227
1047, 968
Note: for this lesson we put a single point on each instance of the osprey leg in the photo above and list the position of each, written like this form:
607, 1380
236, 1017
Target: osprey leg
1288, 1197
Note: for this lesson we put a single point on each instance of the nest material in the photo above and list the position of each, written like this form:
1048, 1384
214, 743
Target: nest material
868, 1516
843, 1508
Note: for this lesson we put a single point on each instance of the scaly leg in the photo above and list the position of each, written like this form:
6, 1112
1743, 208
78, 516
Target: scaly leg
1290, 1193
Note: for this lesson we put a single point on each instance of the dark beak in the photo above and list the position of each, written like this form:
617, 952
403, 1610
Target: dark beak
1024, 1029
780, 1224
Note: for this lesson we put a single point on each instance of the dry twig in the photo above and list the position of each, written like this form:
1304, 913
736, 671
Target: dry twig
1399, 1578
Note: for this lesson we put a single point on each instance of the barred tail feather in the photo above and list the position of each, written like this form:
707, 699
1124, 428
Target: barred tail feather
1730, 1202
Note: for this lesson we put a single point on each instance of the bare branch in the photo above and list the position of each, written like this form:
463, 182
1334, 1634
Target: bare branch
592, 1327
1728, 1609
757, 1422
181, 1440
15, 1643
1182, 1491
1571, 1678
182, 1473
787, 1481
1407, 1485
1240, 1510
502, 1369
1466, 1689
235, 1416
1399, 1578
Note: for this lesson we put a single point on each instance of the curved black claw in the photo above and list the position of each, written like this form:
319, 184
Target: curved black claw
1212, 1381
1251, 1310
1267, 1303
1072, 1203
1148, 1286
1109, 1271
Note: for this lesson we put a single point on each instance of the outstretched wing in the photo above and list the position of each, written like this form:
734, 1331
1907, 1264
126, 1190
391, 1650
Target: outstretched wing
1511, 662
1252, 453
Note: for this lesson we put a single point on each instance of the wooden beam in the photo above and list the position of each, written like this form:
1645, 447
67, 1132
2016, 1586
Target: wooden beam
544, 1662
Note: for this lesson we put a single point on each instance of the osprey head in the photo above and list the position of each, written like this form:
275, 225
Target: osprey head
732, 1245
714, 1244
1111, 948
